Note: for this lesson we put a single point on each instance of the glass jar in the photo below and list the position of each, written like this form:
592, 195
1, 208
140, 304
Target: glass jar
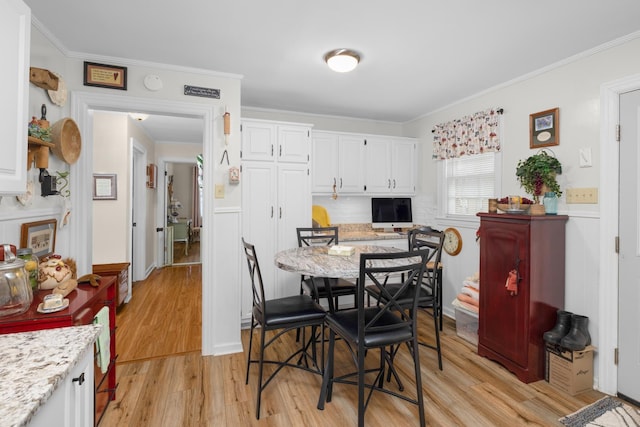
550, 202
31, 263
15, 291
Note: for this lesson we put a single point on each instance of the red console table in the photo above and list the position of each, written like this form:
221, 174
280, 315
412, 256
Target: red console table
84, 304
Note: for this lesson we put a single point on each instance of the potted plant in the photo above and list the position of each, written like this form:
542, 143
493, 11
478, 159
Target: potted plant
537, 172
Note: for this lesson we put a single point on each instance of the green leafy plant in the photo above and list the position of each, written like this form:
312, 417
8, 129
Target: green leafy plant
537, 171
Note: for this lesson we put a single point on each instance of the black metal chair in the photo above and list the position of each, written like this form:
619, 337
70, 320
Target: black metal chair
281, 314
318, 287
430, 289
382, 326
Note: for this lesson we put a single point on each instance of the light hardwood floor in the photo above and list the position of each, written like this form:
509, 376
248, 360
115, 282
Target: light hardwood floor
186, 389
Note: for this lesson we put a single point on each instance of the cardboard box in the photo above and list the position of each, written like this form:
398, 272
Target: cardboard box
467, 325
570, 371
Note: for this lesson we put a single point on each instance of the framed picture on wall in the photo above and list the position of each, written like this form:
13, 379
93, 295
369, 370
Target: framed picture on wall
105, 186
544, 128
40, 236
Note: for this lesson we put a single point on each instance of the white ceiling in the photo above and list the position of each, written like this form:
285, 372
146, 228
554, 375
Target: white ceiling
417, 55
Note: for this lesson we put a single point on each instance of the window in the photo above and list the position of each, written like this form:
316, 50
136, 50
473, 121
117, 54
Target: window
467, 182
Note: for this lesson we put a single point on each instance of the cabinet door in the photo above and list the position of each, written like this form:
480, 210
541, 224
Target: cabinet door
293, 143
504, 318
258, 140
378, 165
294, 210
15, 32
259, 225
403, 167
351, 164
324, 162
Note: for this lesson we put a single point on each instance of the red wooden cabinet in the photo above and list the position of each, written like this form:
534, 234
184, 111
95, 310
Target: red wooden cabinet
511, 326
84, 304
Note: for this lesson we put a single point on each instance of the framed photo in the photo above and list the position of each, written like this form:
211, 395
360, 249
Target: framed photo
102, 75
544, 128
40, 236
152, 175
105, 186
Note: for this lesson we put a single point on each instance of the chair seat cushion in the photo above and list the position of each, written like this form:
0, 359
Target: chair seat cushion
294, 310
339, 287
345, 324
425, 299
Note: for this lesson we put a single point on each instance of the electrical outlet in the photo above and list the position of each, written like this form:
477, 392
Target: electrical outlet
219, 194
582, 195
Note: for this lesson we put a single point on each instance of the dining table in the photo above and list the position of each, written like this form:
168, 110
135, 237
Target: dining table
316, 261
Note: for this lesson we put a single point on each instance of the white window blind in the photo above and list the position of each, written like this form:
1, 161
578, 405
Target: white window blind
469, 181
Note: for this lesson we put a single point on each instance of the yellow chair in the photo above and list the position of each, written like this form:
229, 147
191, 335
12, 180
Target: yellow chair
320, 215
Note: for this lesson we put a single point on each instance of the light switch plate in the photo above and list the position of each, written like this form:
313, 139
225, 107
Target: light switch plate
219, 194
585, 157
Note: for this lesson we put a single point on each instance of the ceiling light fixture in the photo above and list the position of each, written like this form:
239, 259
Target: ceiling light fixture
342, 60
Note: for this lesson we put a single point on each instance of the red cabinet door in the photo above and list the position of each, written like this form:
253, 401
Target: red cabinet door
504, 325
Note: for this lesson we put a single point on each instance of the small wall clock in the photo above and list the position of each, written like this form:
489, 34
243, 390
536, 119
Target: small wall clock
452, 241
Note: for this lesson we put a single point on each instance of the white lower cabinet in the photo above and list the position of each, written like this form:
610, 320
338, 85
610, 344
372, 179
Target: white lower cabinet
276, 199
71, 404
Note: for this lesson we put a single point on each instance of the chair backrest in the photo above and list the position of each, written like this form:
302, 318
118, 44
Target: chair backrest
378, 269
256, 277
317, 236
433, 240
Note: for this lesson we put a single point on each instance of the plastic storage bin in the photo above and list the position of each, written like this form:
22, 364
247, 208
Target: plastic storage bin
467, 325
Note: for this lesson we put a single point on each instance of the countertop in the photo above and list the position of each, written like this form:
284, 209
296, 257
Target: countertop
34, 364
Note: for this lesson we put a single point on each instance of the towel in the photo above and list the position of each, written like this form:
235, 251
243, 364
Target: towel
469, 291
320, 215
103, 343
467, 299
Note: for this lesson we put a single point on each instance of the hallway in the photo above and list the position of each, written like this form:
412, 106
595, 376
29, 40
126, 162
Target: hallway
164, 316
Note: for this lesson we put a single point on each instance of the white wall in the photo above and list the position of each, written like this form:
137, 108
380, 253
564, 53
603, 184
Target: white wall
574, 87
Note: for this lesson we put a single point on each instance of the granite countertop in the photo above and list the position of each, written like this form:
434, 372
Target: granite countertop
34, 364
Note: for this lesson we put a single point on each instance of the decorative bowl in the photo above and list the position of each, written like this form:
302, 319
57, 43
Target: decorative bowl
505, 208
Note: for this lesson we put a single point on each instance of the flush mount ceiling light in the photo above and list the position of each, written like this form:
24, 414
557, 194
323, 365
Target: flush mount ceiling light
342, 60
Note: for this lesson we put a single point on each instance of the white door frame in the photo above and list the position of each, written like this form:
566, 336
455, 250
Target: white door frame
138, 200
80, 235
608, 279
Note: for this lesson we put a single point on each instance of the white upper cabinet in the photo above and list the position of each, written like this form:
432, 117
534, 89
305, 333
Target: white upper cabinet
293, 143
390, 165
362, 164
15, 40
266, 141
403, 166
337, 163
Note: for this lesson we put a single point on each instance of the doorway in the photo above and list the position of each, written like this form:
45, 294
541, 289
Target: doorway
83, 105
183, 199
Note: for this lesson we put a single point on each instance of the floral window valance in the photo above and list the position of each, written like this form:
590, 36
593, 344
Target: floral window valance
475, 134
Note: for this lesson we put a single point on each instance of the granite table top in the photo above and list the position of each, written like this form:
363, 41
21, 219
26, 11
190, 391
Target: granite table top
34, 364
316, 261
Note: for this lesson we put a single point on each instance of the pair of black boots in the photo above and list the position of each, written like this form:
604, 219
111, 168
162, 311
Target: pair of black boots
571, 332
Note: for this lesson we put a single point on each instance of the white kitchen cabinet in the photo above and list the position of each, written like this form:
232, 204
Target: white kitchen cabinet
264, 140
338, 160
390, 165
362, 164
15, 33
71, 405
276, 199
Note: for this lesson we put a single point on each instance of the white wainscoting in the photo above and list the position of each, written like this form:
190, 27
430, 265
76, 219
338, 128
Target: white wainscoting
221, 297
